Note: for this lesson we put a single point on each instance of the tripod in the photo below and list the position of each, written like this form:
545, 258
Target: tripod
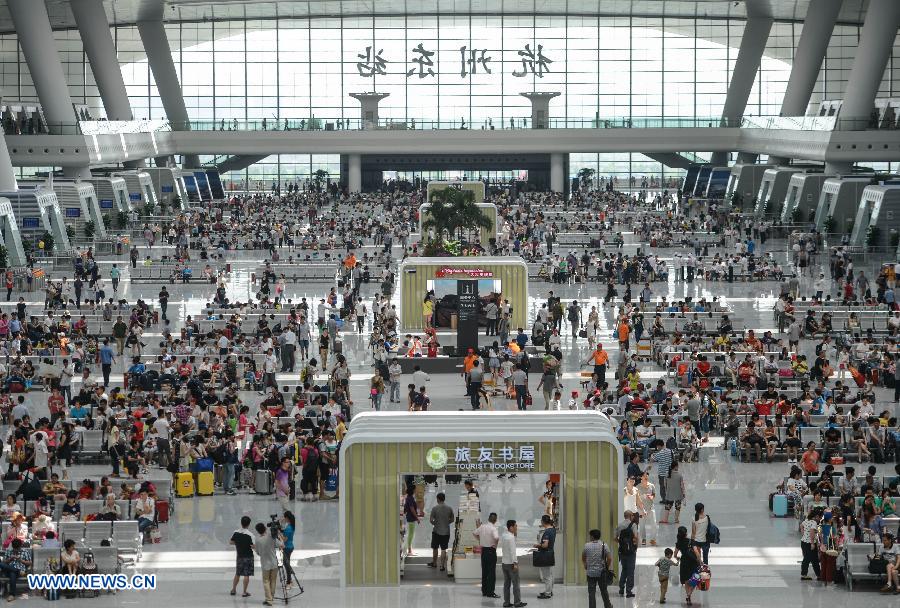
284, 579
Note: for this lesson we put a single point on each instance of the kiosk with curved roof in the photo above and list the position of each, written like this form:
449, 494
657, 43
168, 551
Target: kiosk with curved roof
580, 446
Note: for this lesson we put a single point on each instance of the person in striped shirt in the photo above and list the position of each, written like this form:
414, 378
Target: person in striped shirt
663, 457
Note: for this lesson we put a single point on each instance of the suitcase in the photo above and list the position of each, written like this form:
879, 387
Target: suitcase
264, 482
162, 511
338, 346
780, 505
205, 485
184, 485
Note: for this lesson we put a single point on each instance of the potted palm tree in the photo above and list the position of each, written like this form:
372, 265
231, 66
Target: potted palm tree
452, 213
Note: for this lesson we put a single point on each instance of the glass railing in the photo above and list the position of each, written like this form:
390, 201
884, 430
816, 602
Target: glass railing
400, 124
86, 127
792, 123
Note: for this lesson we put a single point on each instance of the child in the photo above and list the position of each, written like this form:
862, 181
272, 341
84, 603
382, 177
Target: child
664, 564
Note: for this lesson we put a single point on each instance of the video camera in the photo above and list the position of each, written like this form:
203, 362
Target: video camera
274, 526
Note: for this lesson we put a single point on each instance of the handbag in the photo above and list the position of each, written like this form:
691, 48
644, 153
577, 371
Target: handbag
543, 558
830, 547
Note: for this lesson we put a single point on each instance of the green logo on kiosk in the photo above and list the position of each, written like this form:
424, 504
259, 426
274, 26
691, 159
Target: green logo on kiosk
436, 458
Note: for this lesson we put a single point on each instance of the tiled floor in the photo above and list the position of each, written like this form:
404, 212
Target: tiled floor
757, 563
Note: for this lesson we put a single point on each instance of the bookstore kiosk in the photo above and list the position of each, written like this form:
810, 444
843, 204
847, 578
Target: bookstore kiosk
576, 450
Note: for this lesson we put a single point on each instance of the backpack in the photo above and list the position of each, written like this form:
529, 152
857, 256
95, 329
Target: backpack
626, 541
272, 459
712, 532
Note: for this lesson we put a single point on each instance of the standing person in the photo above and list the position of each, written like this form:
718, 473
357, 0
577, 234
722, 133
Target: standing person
395, 371
699, 530
411, 513
441, 517
626, 534
510, 566
689, 558
520, 382
242, 540
288, 527
600, 359
120, 332
664, 457
115, 275
266, 544
476, 379
597, 561
488, 537
546, 540
809, 544
283, 483
674, 494
163, 300
664, 565
647, 494
106, 360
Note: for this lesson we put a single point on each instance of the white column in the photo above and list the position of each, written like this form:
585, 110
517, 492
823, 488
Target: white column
814, 38
557, 176
33, 29
93, 26
159, 55
368, 108
875, 43
7, 173
753, 43
354, 173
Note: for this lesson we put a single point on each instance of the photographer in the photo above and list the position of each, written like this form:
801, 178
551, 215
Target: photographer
267, 541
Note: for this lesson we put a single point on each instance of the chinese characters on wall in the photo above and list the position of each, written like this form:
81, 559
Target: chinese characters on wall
508, 458
472, 62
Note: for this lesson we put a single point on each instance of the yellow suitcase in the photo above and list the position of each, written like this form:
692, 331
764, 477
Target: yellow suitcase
205, 483
184, 485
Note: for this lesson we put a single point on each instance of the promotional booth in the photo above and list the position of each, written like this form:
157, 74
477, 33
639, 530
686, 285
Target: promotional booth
476, 187
503, 276
575, 452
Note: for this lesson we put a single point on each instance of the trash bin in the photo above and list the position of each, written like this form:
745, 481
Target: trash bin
454, 320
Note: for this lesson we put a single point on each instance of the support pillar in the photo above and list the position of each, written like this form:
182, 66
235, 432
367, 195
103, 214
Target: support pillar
875, 43
93, 25
753, 43
159, 55
817, 28
36, 38
354, 173
368, 108
7, 173
814, 38
557, 173
540, 108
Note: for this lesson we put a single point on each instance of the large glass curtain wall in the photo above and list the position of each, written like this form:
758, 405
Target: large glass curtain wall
449, 68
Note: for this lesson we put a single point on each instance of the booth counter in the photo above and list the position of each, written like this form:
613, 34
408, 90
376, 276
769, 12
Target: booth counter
579, 447
503, 275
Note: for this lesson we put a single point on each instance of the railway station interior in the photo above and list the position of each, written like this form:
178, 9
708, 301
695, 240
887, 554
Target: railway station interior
450, 302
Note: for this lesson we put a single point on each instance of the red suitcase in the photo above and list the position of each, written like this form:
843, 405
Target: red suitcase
162, 511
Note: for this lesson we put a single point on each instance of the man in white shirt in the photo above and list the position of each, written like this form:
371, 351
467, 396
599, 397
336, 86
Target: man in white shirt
395, 371
510, 565
162, 427
419, 377
288, 348
488, 537
269, 369
41, 454
145, 509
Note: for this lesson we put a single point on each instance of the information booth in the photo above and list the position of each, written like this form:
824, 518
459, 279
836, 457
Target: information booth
503, 276
576, 452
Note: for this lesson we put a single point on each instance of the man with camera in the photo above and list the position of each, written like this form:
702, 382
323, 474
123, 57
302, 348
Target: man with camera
266, 545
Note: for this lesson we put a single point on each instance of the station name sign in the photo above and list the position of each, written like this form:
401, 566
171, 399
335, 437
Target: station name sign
482, 458
470, 273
